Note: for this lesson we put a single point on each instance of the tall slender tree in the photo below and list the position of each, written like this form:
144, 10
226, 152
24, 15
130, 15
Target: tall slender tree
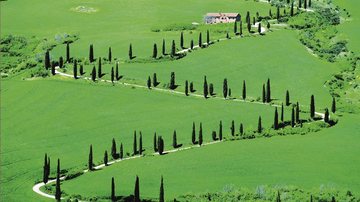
163, 47
287, 98
161, 197
191, 87
182, 40
61, 62
200, 135
91, 162
276, 119
263, 94
47, 60
106, 158
220, 131
160, 145
225, 88
292, 117
100, 74
149, 83
278, 13
309, 3
193, 134
140, 144
305, 4
113, 197
186, 88
135, 144
333, 104
57, 186
241, 129
235, 27
299, 4
137, 190
211, 89
155, 81
67, 52
282, 112
112, 75
93, 74
297, 113
192, 44
174, 140
292, 9
232, 128
121, 153
130, 52
154, 51
244, 90
268, 91
207, 38
110, 55
173, 49
259, 125
326, 115
75, 69
312, 107
200, 40
241, 29
259, 28
45, 170
278, 197
113, 149
91, 53
206, 89
155, 143
53, 65
117, 72
82, 72
172, 81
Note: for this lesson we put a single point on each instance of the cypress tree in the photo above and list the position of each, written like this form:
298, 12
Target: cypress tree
106, 158
259, 28
278, 197
333, 105
110, 55
200, 40
270, 13
235, 27
160, 145
292, 9
200, 135
287, 98
227, 35
192, 44
140, 144
205, 88
220, 131
135, 144
61, 62
282, 112
276, 119
121, 154
299, 5
67, 52
186, 88
90, 162
326, 115
45, 170
208, 37
263, 94
75, 69
292, 117
211, 89
117, 76
229, 92
193, 134
149, 83
174, 140
305, 4
47, 60
297, 113
247, 16
161, 197
241, 129
173, 49
268, 91
241, 29
232, 128
82, 70
137, 190
112, 75
182, 40
172, 81
100, 68
311, 198
259, 125
254, 21
93, 74
163, 47
244, 90
53, 68
91, 54
154, 51
155, 143
225, 88
312, 107
57, 186
113, 149
113, 197
192, 87
155, 82
333, 199
278, 13
213, 135
268, 25
130, 52
309, 3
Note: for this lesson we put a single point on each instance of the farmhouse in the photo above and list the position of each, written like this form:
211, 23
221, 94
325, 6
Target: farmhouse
213, 18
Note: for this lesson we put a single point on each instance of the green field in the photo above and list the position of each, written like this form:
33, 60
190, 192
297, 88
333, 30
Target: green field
61, 116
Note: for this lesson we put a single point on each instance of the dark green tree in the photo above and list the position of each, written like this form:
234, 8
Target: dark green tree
154, 51
161, 197
276, 119
113, 197
47, 60
100, 74
227, 35
263, 94
90, 162
200, 40
192, 44
326, 115
312, 107
292, 117
93, 74
53, 68
182, 40
112, 75
82, 70
110, 55
241, 129
213, 135
211, 89
186, 88
259, 28
135, 144
75, 69
241, 29
333, 199
155, 81
61, 62
163, 47
305, 4
173, 49
160, 145
192, 87
113, 149
206, 89
200, 135
130, 52
309, 3
91, 54
259, 125
67, 52
278, 13
121, 153
140, 144
235, 27
297, 113
292, 9
270, 13
282, 112
311, 198
232, 128
46, 170
268, 91
137, 190
208, 37
155, 143
172, 81
333, 105
57, 186
225, 88
248, 17
149, 83
268, 25
117, 76
278, 197
287, 98
174, 140
299, 4
193, 134
244, 90
106, 158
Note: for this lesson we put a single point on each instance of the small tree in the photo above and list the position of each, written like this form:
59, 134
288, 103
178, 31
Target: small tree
309, 3
186, 88
57, 186
53, 68
173, 49
268, 25
47, 60
82, 70
312, 107
154, 51
282, 112
155, 143
232, 128
46, 170
106, 158
75, 69
205, 88
172, 81
259, 28
241, 29
292, 9
93, 74
225, 88
297, 113
299, 4
140, 144
149, 83
333, 105
287, 98
192, 87
276, 119
211, 89
160, 145
263, 94
192, 44
268, 91
161, 197
259, 125
200, 40
241, 129
278, 13
112, 75
175, 145
220, 131
292, 117
113, 197
100, 74
130, 52
244, 90
91, 53
109, 55
278, 197
213, 135
121, 153
200, 135
193, 134
182, 40
163, 47
135, 144
326, 115
90, 162
155, 82
235, 27
61, 62
305, 4
208, 37
113, 149
137, 190
67, 52
117, 76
